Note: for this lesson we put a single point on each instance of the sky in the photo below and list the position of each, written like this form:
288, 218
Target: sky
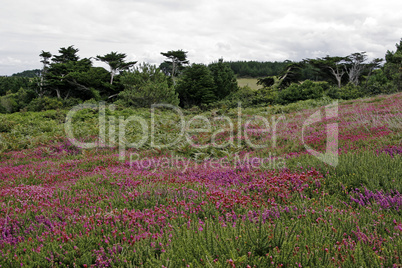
261, 30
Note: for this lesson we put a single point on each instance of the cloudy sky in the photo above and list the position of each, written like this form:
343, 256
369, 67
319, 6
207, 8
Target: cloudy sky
262, 30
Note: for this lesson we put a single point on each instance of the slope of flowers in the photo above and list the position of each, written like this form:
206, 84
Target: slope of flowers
63, 206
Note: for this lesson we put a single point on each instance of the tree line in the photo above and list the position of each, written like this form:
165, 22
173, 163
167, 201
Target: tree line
65, 80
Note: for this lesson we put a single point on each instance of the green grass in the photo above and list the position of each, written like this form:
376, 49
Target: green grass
250, 82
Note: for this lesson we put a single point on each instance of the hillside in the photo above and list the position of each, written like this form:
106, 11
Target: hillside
241, 187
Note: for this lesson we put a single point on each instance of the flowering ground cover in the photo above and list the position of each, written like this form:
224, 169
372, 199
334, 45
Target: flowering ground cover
61, 205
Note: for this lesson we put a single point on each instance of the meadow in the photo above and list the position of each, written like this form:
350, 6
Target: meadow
249, 82
227, 205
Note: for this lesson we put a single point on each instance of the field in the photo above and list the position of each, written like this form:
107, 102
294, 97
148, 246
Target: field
223, 202
250, 82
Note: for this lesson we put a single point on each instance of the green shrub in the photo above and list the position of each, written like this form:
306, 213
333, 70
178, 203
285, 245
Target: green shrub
333, 92
70, 102
45, 103
9, 103
264, 96
378, 83
304, 91
2, 109
350, 91
145, 86
245, 95
7, 124
14, 102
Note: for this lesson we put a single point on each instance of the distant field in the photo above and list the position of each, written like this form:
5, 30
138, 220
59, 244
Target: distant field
251, 82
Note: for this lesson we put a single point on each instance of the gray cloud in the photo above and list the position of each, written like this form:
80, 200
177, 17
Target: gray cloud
208, 30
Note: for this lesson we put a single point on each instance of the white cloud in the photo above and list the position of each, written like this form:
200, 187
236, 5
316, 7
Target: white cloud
208, 30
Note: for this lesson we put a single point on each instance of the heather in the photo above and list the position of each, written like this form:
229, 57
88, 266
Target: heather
61, 205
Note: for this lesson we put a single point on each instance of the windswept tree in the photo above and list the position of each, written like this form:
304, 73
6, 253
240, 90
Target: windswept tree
116, 62
66, 55
176, 62
291, 73
45, 55
59, 69
68, 76
355, 66
331, 67
45, 60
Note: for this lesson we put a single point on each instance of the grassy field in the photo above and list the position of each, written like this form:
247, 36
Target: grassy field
250, 82
211, 199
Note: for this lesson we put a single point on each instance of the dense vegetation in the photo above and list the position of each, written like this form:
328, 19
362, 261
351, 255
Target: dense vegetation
66, 80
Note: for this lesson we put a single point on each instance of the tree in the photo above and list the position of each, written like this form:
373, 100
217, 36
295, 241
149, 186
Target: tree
145, 86
67, 76
291, 73
11, 84
224, 79
331, 67
177, 60
373, 67
116, 62
354, 66
196, 86
45, 55
393, 66
66, 55
62, 78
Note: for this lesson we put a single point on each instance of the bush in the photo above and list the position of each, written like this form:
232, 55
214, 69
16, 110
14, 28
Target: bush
7, 124
304, 91
13, 102
70, 102
2, 109
378, 83
350, 91
245, 95
45, 103
145, 86
264, 96
9, 103
333, 93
